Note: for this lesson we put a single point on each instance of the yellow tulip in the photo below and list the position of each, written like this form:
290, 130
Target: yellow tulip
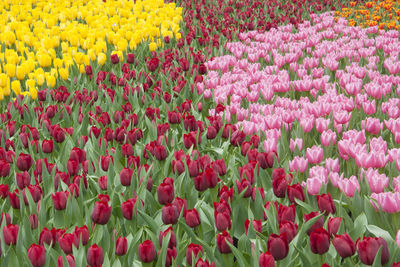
40, 79
1, 94
3, 79
21, 72
33, 92
16, 87
50, 81
10, 70
152, 46
63, 73
101, 59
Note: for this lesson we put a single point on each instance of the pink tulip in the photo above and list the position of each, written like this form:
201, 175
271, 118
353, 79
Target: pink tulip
332, 165
315, 154
298, 142
349, 186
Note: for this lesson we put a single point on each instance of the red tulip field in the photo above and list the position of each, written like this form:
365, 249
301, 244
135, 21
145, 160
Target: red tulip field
199, 133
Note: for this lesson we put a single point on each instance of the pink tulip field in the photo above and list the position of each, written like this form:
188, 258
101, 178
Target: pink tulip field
216, 133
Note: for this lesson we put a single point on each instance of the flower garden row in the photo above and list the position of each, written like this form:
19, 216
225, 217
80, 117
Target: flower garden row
234, 141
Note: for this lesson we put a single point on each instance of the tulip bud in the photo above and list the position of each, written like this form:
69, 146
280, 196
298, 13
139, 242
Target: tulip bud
81, 233
319, 241
114, 59
295, 191
318, 224
333, 225
10, 234
101, 213
368, 248
256, 225
279, 187
147, 251
192, 251
37, 255
192, 218
289, 228
266, 260
165, 193
325, 203
60, 200
278, 246
47, 146
222, 240
4, 168
222, 221
170, 214
121, 246
23, 179
344, 245
126, 176
33, 219
172, 239
103, 182
24, 162
95, 256
66, 242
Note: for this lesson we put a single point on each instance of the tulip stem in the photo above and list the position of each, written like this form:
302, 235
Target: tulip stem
228, 259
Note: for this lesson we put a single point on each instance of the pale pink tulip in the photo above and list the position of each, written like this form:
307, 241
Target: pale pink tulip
315, 154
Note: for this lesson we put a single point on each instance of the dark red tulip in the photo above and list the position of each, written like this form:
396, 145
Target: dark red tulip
169, 214
266, 260
23, 179
193, 167
121, 246
184, 63
192, 218
33, 220
266, 159
288, 227
152, 64
46, 236
126, 176
14, 199
73, 167
127, 208
147, 251
172, 239
103, 182
88, 70
114, 59
130, 58
4, 168
160, 152
368, 247
70, 261
319, 241
318, 224
105, 162
81, 233
65, 242
202, 69
95, 256
4, 190
47, 146
295, 191
24, 162
222, 240
286, 213
278, 246
37, 255
171, 254
101, 212
333, 225
222, 221
10, 234
60, 200
192, 251
257, 225
242, 185
165, 192
279, 187
78, 154
344, 245
325, 204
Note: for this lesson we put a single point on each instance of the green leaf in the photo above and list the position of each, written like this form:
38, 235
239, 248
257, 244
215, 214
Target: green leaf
359, 226
306, 206
378, 256
150, 221
379, 232
239, 256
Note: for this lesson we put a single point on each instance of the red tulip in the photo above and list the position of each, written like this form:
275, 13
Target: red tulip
147, 251
103, 182
24, 162
279, 187
222, 221
130, 58
344, 245
70, 261
295, 191
192, 251
37, 255
170, 214
319, 241
66, 242
101, 213
165, 192
105, 162
4, 168
289, 228
121, 246
81, 234
95, 256
73, 167
23, 179
222, 240
257, 225
127, 208
325, 204
152, 64
172, 239
318, 224
368, 248
47, 146
60, 200
114, 59
33, 220
10, 234
278, 246
192, 218
333, 225
126, 176
266, 260
286, 213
